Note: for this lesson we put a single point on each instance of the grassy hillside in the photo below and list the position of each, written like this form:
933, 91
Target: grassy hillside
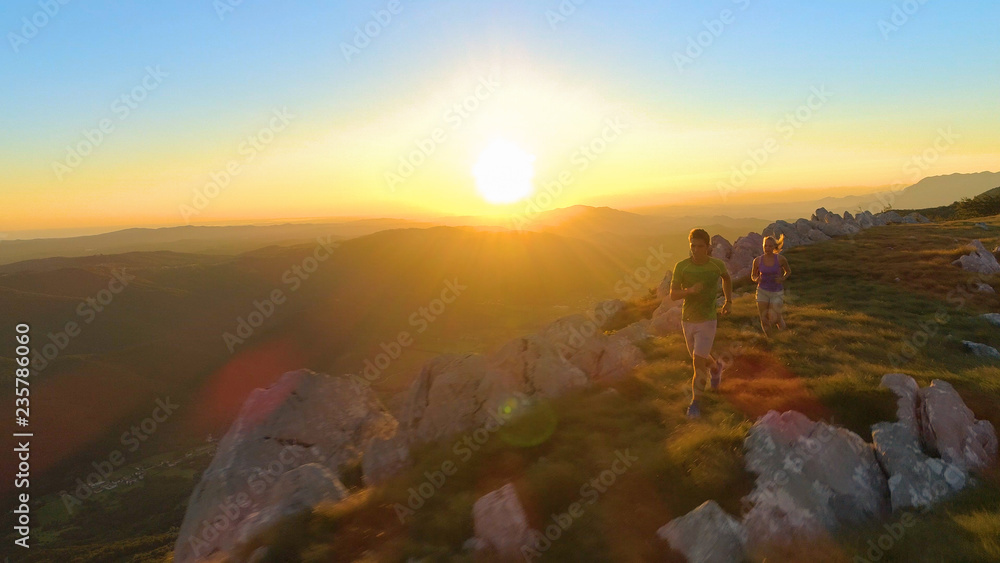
162, 337
854, 308
984, 204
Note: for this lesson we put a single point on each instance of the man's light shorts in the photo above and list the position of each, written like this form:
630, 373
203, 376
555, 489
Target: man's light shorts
775, 297
699, 337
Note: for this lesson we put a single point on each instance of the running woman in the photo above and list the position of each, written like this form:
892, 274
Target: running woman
770, 271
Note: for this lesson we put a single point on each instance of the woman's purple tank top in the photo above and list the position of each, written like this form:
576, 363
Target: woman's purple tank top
770, 275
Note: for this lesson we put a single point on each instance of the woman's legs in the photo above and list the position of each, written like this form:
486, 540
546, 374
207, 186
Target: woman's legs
763, 308
779, 320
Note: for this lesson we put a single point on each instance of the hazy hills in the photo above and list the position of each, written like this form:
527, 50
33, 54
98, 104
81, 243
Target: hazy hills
162, 335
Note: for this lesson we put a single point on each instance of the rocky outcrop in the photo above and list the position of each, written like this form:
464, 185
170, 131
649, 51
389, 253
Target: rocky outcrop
706, 535
980, 260
452, 394
304, 418
933, 421
992, 318
943, 423
501, 525
812, 478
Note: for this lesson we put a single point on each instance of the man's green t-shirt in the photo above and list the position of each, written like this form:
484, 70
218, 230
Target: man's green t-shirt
699, 306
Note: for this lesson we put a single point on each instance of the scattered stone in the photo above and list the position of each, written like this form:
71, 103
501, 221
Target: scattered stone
501, 524
981, 350
706, 535
983, 226
984, 288
980, 260
992, 318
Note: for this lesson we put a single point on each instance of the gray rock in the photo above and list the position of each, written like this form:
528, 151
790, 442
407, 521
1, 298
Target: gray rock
889, 217
721, 248
745, 250
985, 288
666, 321
636, 332
501, 524
915, 479
943, 422
304, 418
992, 318
663, 290
979, 260
706, 535
298, 490
384, 458
812, 478
820, 215
981, 350
983, 226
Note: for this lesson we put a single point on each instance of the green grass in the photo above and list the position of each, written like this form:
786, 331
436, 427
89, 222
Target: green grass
853, 306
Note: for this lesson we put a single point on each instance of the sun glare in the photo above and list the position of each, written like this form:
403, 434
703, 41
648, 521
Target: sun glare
504, 173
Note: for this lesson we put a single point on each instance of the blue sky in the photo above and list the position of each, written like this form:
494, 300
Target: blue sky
940, 68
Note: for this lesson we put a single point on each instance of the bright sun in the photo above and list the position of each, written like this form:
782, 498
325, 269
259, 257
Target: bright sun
504, 172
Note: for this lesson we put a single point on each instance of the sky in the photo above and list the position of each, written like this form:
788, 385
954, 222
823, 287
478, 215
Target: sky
128, 113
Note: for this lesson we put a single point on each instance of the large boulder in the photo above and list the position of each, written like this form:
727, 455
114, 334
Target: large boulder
666, 320
384, 458
992, 318
304, 418
721, 248
298, 490
812, 478
916, 480
745, 250
706, 535
864, 220
980, 260
944, 424
501, 525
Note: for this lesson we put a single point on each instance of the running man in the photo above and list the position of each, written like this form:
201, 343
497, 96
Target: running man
696, 281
